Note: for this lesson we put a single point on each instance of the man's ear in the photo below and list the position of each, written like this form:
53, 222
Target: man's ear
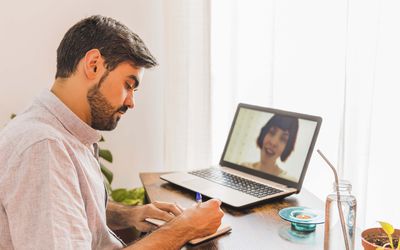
92, 64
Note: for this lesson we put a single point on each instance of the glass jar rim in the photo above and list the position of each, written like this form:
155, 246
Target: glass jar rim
343, 185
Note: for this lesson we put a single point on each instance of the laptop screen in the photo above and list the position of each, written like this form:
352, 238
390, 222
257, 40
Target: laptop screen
275, 142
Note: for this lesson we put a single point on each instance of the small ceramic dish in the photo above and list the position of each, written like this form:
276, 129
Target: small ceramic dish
303, 219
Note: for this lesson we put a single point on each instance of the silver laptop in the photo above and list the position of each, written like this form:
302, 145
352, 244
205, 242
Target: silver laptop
265, 157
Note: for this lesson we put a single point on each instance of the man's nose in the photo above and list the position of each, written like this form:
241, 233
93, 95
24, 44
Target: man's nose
129, 101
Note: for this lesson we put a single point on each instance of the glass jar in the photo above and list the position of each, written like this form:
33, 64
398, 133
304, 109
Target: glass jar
334, 238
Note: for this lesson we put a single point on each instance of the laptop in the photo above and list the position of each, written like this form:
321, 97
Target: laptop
265, 157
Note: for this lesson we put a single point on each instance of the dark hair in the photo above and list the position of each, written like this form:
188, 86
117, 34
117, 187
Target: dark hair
114, 40
286, 123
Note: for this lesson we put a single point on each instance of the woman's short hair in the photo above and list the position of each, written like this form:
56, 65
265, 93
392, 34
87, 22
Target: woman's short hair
285, 123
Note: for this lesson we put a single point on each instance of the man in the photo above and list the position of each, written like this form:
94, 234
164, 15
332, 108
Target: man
52, 193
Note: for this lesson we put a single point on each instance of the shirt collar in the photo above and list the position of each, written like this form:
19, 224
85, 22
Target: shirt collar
82, 131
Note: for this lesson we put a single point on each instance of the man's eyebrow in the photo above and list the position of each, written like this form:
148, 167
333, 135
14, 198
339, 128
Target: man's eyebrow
134, 78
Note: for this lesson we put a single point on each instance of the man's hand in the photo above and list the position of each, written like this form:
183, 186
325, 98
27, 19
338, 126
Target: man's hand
120, 216
192, 223
158, 210
200, 221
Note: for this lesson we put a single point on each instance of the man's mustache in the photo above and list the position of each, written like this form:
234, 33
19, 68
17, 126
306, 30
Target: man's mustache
123, 109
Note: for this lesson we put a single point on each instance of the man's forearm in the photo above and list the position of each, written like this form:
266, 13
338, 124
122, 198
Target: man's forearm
169, 236
118, 216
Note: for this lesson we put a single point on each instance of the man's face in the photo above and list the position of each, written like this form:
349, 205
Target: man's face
111, 97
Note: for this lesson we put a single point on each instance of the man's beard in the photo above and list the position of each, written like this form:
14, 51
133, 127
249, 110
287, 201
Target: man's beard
102, 112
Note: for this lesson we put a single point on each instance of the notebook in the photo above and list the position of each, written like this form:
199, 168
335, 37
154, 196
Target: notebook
220, 231
265, 157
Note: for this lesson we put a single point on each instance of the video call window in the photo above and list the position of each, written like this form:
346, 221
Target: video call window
271, 143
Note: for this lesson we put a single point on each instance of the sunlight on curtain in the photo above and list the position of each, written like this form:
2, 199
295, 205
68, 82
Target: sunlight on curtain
335, 59
383, 199
187, 85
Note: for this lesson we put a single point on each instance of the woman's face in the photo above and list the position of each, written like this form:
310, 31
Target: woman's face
275, 142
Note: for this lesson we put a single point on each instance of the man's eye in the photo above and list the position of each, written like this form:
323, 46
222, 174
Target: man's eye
128, 86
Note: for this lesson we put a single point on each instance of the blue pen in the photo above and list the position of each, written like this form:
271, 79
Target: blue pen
198, 198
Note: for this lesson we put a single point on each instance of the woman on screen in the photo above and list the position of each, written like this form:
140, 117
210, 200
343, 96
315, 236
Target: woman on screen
276, 140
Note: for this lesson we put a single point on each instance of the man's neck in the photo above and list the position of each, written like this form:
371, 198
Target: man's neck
73, 96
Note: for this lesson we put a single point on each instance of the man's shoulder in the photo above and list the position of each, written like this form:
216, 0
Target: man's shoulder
26, 130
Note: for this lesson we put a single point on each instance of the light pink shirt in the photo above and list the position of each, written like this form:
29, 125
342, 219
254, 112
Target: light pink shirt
51, 188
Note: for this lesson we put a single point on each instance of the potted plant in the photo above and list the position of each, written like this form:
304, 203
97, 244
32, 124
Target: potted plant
125, 196
382, 238
129, 197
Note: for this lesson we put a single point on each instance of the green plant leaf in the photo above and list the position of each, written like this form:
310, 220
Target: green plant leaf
108, 187
107, 173
398, 243
132, 202
106, 155
119, 195
387, 227
389, 230
129, 197
136, 193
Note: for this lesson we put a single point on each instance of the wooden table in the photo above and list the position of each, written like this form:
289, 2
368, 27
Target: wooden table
258, 227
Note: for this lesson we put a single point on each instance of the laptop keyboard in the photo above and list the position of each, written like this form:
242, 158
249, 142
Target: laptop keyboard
235, 182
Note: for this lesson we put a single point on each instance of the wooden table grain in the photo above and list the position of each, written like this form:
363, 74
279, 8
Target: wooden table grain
258, 227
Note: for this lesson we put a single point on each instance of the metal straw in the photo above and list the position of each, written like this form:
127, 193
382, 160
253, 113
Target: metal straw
346, 240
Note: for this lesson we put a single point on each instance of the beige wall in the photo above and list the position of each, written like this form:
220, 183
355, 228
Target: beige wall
30, 34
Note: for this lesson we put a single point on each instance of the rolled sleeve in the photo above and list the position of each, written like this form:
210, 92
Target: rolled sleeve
45, 208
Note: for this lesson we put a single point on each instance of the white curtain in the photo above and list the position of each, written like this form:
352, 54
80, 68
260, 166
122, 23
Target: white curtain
187, 84
336, 59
